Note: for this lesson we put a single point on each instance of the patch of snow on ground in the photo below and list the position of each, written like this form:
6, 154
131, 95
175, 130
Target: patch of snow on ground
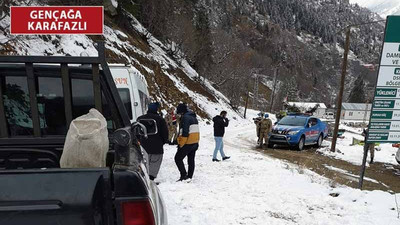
354, 154
252, 188
345, 172
118, 32
114, 3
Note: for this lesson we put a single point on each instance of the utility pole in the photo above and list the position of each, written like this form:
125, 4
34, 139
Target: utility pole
344, 70
255, 92
340, 97
247, 101
273, 91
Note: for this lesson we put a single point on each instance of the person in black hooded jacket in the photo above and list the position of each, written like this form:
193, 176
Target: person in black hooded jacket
220, 122
154, 143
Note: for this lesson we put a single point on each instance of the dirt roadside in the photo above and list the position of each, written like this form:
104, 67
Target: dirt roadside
379, 176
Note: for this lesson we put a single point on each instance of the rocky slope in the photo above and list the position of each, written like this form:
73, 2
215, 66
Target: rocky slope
170, 81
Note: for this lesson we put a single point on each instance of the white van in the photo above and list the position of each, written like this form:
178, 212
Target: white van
132, 88
329, 115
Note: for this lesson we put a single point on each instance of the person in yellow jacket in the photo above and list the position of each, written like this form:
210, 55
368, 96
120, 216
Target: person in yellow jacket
188, 141
264, 127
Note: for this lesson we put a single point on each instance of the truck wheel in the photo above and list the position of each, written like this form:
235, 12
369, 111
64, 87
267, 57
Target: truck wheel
301, 143
319, 141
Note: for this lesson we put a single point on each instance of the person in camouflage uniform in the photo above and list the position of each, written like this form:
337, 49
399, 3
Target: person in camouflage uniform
170, 118
257, 122
264, 126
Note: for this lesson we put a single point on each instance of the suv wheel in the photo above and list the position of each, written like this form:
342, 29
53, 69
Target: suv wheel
271, 145
301, 143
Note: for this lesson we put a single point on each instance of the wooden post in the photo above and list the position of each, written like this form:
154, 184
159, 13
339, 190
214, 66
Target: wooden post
273, 91
247, 102
340, 97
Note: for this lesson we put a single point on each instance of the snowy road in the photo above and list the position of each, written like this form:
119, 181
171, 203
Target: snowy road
252, 188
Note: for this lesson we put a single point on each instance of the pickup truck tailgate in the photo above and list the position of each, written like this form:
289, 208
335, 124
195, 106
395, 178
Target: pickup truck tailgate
55, 196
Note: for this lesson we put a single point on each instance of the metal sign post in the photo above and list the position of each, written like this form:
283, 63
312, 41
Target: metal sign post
364, 162
384, 123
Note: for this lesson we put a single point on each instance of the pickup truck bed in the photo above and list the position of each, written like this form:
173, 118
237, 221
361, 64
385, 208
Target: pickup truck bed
56, 196
33, 189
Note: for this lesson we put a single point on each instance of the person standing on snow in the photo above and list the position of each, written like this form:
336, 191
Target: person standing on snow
371, 147
220, 122
188, 141
154, 143
257, 122
265, 126
172, 126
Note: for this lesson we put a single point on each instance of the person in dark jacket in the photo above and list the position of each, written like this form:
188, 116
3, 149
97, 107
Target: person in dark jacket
154, 143
188, 141
220, 122
371, 147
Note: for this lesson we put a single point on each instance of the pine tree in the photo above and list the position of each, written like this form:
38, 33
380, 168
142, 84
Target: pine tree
357, 94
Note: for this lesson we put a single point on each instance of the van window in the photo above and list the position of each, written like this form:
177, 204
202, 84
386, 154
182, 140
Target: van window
51, 107
144, 101
126, 100
83, 101
16, 105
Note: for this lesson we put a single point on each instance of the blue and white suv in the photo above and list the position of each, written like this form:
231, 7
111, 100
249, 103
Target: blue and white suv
297, 131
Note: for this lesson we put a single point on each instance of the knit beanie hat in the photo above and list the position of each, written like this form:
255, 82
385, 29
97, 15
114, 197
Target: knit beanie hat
181, 109
153, 107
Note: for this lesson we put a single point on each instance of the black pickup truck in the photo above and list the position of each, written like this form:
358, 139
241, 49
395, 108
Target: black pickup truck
39, 97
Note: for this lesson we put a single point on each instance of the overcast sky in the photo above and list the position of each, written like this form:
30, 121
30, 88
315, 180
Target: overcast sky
382, 7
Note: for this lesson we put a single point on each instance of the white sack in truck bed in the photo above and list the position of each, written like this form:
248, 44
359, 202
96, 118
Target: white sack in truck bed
86, 144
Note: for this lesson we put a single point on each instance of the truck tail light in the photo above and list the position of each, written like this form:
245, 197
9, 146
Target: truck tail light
137, 213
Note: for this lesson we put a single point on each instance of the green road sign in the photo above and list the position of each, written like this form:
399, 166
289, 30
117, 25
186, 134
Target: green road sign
384, 123
384, 104
393, 29
384, 115
380, 125
386, 92
376, 137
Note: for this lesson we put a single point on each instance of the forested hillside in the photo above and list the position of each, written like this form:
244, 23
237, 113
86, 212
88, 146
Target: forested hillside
237, 46
230, 42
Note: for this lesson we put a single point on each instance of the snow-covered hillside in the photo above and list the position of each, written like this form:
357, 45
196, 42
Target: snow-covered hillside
382, 7
170, 80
